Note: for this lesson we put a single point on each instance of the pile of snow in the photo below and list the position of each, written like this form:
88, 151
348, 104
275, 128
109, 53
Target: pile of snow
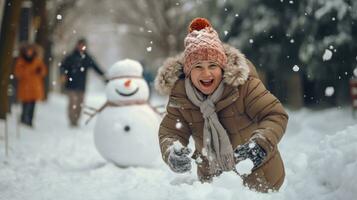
53, 161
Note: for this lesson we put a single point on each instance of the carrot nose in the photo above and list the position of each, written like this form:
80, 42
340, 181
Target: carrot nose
127, 83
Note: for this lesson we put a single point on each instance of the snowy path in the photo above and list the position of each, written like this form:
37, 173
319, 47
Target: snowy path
56, 162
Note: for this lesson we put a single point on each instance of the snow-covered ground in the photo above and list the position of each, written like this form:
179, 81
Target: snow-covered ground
54, 161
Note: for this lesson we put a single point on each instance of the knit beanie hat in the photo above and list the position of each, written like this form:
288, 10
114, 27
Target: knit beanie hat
202, 44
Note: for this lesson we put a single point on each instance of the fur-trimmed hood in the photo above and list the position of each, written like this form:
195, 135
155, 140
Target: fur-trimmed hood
235, 73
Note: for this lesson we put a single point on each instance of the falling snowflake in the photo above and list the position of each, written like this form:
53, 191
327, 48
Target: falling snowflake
148, 49
329, 91
333, 19
236, 15
331, 47
54, 83
327, 55
178, 125
292, 41
11, 76
296, 68
70, 79
251, 41
59, 17
82, 69
225, 32
291, 2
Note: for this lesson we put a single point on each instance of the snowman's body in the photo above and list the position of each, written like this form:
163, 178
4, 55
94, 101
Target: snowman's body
126, 134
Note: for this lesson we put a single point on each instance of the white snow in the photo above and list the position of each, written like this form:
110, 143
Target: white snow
296, 68
355, 72
54, 161
329, 91
327, 55
59, 17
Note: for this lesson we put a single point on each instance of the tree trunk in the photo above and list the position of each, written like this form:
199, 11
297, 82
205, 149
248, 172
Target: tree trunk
9, 27
42, 37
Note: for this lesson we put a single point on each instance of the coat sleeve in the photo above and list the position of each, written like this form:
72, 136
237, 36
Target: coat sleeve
65, 65
268, 112
173, 128
95, 66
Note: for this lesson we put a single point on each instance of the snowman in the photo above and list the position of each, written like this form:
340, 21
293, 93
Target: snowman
126, 129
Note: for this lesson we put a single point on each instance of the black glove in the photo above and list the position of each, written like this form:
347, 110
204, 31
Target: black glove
179, 160
250, 150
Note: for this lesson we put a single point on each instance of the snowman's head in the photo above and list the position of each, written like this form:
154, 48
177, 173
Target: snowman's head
126, 82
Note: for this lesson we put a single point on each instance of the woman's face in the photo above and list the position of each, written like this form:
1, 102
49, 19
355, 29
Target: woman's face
206, 76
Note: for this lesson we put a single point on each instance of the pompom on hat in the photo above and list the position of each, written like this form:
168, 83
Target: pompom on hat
202, 44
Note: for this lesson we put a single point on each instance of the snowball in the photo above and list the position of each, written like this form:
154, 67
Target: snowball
296, 68
245, 167
329, 91
177, 146
327, 55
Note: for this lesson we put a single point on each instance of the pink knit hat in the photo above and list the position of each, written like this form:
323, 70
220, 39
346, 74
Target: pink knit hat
202, 44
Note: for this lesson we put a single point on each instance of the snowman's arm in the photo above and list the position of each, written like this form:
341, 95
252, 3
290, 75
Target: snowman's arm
94, 112
173, 128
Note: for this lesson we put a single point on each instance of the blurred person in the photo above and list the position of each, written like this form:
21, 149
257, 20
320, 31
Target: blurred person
74, 74
30, 72
216, 96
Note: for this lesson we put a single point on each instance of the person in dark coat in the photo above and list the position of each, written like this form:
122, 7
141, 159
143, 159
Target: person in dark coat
74, 74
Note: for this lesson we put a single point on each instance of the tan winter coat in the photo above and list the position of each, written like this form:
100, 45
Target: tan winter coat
246, 108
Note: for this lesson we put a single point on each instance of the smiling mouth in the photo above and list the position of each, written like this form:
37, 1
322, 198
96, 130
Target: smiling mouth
126, 95
206, 83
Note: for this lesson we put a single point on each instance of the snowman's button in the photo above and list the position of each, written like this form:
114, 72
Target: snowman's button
126, 128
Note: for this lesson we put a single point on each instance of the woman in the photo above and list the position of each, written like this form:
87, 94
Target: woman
217, 98
30, 72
